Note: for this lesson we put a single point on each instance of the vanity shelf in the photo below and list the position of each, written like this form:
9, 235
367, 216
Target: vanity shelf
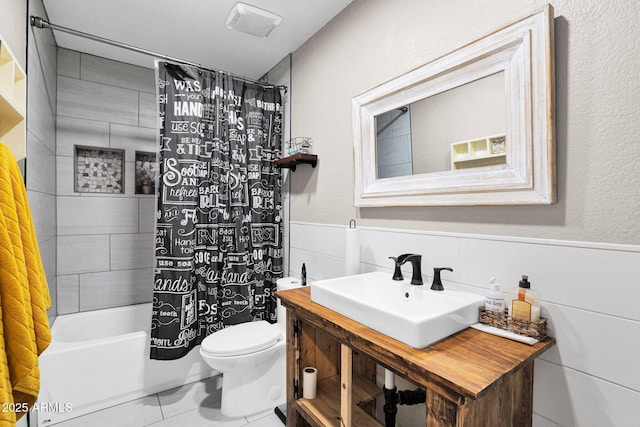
471, 378
296, 159
325, 408
487, 151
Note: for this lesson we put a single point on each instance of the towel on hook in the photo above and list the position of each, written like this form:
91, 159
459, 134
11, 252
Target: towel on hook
24, 295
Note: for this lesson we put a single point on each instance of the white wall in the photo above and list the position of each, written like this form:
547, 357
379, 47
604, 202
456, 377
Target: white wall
581, 253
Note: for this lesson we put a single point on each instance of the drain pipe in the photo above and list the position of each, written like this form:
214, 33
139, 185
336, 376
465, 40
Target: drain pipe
393, 398
390, 391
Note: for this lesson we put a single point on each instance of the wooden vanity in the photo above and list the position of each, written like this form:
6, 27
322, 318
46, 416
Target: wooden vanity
471, 378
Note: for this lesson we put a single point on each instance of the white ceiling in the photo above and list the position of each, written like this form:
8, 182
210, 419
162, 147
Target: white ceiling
192, 30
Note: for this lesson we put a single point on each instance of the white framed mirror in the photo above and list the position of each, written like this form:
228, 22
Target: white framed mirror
474, 127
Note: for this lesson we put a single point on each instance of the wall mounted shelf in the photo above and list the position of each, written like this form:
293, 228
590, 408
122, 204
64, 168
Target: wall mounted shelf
13, 96
488, 151
292, 161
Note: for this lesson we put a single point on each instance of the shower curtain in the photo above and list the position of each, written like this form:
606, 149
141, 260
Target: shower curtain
219, 212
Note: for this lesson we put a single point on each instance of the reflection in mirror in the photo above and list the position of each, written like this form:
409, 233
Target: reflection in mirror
460, 128
393, 143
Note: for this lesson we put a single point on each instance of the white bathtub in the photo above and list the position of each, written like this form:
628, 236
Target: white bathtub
100, 358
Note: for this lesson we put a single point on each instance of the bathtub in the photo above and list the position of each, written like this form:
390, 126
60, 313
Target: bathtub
100, 358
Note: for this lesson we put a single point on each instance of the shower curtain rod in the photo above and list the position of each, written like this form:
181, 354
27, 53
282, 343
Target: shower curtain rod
38, 22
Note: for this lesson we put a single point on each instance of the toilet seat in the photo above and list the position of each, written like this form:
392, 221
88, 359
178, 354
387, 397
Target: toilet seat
241, 339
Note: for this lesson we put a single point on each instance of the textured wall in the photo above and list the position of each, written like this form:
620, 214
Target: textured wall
105, 240
597, 82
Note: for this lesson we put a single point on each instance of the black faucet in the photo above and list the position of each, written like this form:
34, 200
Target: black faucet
416, 263
437, 283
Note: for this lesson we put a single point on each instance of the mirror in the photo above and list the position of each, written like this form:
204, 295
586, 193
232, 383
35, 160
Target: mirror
474, 127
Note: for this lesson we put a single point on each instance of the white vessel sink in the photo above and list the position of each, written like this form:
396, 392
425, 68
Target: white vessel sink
414, 315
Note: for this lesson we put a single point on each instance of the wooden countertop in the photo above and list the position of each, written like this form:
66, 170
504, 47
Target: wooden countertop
463, 365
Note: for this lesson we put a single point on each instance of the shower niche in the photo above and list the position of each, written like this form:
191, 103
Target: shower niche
99, 170
146, 168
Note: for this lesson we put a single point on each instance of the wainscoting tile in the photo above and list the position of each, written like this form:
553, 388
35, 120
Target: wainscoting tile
101, 70
147, 212
43, 210
327, 240
68, 294
437, 251
191, 396
573, 398
318, 266
73, 131
140, 412
115, 288
589, 342
83, 254
132, 139
41, 166
68, 63
131, 251
97, 215
563, 274
95, 101
148, 110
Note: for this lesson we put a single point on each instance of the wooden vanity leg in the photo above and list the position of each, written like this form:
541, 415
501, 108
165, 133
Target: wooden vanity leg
292, 372
441, 412
346, 361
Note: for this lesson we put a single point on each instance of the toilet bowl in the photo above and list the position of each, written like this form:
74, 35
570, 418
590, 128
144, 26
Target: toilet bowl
252, 359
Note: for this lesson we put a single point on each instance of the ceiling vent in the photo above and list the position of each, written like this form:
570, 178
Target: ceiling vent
252, 20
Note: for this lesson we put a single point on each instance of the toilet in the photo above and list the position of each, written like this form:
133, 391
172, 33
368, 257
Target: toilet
251, 357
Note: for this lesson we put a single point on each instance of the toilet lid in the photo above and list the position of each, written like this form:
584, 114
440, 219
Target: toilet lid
243, 338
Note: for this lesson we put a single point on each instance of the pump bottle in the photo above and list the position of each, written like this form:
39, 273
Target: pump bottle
524, 302
494, 301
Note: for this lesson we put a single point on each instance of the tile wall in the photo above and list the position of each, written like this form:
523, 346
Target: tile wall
105, 241
41, 144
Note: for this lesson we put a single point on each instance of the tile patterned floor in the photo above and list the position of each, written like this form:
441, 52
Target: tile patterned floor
196, 404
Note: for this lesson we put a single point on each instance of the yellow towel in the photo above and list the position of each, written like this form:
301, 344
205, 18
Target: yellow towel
24, 296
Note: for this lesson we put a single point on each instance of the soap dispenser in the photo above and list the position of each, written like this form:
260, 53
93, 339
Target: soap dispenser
303, 276
494, 301
525, 303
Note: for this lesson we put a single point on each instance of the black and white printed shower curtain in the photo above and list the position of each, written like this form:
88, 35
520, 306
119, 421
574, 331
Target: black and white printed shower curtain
219, 212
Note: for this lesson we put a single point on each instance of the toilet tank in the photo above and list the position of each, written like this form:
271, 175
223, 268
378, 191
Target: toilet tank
282, 285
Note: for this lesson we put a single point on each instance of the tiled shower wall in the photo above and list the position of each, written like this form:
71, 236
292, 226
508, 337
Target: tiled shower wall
105, 241
41, 144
